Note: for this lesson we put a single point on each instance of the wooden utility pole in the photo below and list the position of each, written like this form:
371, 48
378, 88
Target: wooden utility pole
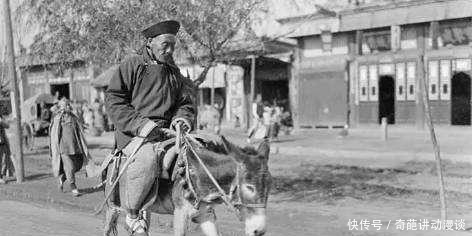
420, 84
17, 145
429, 122
253, 89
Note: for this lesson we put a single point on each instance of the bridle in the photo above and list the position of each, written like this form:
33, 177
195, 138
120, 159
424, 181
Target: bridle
232, 200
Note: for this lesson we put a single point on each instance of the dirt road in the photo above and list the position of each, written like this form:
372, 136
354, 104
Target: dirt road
21, 219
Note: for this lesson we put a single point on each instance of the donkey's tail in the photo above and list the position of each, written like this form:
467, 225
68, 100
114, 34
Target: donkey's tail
111, 221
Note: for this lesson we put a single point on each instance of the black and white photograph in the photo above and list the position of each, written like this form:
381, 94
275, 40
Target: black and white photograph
235, 117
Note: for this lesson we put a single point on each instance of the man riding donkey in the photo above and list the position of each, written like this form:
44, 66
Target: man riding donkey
68, 148
146, 94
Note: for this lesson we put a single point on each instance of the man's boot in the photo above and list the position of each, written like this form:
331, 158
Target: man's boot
136, 226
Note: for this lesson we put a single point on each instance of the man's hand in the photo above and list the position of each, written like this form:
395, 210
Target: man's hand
182, 123
156, 133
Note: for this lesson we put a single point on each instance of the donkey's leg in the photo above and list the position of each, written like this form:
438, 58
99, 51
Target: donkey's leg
207, 219
209, 228
182, 212
111, 218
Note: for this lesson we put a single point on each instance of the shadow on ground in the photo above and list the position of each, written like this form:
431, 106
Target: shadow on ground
38, 176
334, 182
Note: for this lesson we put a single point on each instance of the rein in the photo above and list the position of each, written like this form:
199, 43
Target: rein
227, 199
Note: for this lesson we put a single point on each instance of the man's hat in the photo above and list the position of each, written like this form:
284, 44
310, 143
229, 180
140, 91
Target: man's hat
164, 27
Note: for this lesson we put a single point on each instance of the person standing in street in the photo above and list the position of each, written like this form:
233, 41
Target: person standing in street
68, 149
257, 113
6, 164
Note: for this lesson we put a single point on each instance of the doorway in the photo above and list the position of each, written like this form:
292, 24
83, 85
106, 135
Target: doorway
62, 89
275, 91
460, 99
387, 99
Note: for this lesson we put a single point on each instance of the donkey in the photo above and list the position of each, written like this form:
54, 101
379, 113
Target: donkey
242, 173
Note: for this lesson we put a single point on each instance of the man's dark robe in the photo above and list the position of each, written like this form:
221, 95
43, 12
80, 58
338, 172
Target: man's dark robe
66, 139
143, 90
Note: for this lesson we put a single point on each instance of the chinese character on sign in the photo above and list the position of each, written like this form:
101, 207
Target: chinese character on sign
400, 224
460, 224
436, 224
411, 224
365, 224
424, 224
377, 224
352, 224
448, 225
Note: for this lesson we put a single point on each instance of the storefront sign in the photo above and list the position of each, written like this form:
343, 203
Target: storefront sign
462, 65
386, 69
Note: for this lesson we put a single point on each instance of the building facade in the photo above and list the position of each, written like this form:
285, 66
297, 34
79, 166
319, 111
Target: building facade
359, 65
72, 83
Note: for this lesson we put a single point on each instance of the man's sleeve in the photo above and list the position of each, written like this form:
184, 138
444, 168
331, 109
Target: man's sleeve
186, 103
118, 99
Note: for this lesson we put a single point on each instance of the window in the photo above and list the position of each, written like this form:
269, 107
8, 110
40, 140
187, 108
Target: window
410, 80
433, 79
376, 41
408, 37
400, 75
373, 83
363, 83
455, 32
445, 78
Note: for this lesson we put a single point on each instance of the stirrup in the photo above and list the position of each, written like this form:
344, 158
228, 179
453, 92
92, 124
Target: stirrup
137, 224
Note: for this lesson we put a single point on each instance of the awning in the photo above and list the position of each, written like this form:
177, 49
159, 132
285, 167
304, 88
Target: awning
215, 77
28, 107
403, 14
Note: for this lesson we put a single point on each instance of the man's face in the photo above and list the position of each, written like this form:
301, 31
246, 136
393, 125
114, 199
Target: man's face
163, 46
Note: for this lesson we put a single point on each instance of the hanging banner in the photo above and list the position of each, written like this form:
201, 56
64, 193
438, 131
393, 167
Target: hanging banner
401, 81
433, 80
411, 81
363, 83
373, 83
445, 78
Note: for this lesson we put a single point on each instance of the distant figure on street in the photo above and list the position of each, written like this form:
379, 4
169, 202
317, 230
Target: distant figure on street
27, 135
68, 148
257, 113
6, 164
45, 113
88, 116
56, 97
275, 119
98, 118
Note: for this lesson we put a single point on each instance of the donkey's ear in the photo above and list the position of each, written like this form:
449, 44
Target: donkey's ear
264, 149
233, 150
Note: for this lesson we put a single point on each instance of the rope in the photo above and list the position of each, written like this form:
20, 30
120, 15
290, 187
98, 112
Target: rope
224, 196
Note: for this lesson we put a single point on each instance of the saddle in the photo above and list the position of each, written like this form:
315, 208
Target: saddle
167, 147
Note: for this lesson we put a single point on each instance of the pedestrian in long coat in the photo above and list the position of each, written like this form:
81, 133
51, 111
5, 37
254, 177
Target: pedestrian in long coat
147, 93
6, 164
68, 148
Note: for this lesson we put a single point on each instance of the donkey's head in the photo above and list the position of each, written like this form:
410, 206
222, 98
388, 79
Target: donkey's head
252, 184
